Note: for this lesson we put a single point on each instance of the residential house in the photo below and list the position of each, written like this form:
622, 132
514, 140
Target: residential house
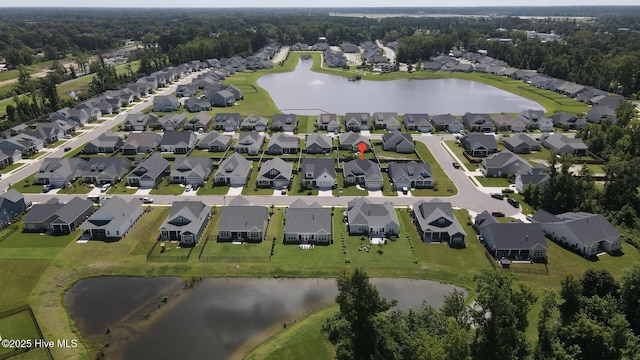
171, 122
521, 144
275, 174
57, 217
237, 94
446, 122
308, 224
214, 142
12, 206
233, 171
25, 143
249, 142
436, 222
222, 98
58, 172
242, 222
191, 170
254, 123
357, 121
398, 142
318, 173
351, 140
586, 233
186, 90
375, 220
165, 103
194, 104
283, 144
140, 143
417, 122
600, 113
200, 122
562, 144
503, 164
478, 122
410, 175
284, 122
149, 172
568, 121
365, 173
8, 157
227, 121
480, 145
139, 122
535, 119
318, 144
328, 122
113, 219
504, 122
105, 170
537, 176
178, 142
105, 143
386, 120
515, 241
186, 222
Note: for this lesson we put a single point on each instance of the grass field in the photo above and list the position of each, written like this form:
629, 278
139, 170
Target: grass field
18, 326
444, 184
493, 181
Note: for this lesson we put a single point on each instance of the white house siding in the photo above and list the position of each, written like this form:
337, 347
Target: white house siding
560, 233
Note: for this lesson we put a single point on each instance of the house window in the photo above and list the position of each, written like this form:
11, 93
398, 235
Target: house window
441, 221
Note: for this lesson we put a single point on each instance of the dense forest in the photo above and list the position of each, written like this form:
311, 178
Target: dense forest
603, 52
594, 317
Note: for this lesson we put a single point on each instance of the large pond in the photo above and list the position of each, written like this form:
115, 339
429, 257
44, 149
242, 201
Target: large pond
214, 319
305, 92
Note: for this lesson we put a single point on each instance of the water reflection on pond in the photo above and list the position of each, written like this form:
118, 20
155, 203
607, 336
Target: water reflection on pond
219, 315
305, 92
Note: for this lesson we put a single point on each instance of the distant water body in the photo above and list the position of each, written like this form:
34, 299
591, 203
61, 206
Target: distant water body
305, 92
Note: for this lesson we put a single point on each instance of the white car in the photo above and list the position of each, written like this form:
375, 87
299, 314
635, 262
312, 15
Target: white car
188, 187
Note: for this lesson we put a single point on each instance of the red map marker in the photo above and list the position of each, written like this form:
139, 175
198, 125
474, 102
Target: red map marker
362, 147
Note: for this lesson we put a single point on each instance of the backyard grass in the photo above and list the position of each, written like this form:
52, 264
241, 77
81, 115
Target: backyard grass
18, 326
391, 155
445, 186
387, 188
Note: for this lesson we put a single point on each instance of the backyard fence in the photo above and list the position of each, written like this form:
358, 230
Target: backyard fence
18, 351
10, 230
165, 257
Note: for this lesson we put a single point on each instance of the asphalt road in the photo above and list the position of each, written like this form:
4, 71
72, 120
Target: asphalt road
469, 196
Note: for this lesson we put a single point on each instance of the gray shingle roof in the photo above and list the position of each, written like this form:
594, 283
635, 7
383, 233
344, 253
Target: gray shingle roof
429, 213
282, 170
194, 212
516, 236
308, 220
363, 211
114, 212
412, 171
242, 218
367, 168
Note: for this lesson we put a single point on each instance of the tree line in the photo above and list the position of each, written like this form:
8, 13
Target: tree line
594, 317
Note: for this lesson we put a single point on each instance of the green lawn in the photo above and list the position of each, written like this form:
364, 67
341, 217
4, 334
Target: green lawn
296, 188
526, 209
445, 186
10, 168
301, 340
210, 189
306, 124
77, 187
27, 185
493, 181
166, 188
252, 186
387, 188
347, 190
454, 145
386, 155
122, 188
19, 326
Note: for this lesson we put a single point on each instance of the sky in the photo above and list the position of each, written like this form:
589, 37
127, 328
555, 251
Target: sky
310, 3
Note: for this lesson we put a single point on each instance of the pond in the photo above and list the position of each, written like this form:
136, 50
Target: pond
305, 92
215, 318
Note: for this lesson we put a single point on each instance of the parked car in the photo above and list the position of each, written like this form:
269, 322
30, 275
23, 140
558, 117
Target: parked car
67, 148
105, 187
283, 190
456, 165
497, 196
513, 202
497, 214
147, 200
188, 187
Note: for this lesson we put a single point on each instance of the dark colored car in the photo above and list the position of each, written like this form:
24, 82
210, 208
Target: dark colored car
497, 214
67, 148
456, 165
513, 202
497, 196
